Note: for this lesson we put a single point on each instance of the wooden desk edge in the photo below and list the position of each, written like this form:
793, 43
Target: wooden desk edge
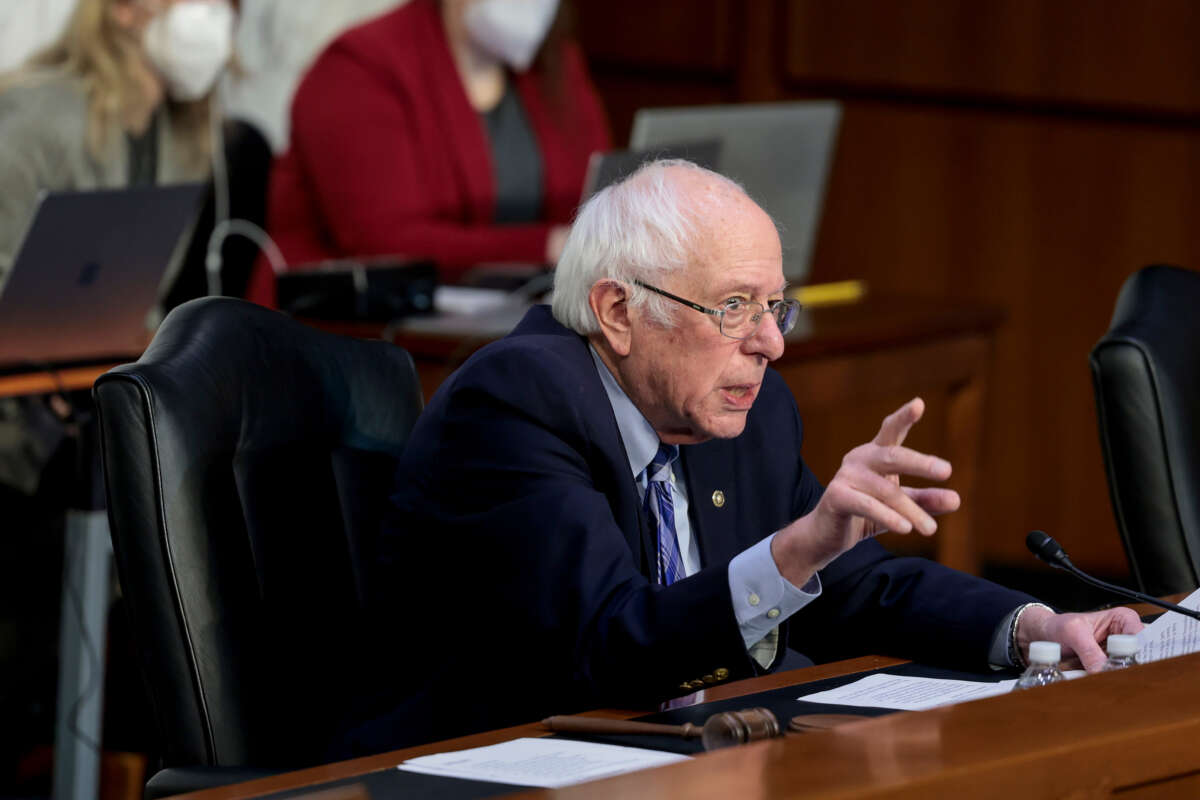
46, 381
315, 776
326, 773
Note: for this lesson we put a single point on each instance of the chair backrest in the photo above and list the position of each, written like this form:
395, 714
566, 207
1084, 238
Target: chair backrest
248, 459
1146, 373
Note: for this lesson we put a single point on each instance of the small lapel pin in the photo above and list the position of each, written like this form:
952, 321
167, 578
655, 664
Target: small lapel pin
718, 498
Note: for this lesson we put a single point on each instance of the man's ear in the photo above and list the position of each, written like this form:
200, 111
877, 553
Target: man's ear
609, 300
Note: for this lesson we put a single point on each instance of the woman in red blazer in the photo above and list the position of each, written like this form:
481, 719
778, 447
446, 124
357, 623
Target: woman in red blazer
394, 131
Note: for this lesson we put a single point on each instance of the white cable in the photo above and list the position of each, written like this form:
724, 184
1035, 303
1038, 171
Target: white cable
246, 228
223, 226
220, 167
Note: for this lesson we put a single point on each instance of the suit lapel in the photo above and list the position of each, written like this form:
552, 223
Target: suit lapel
623, 498
713, 498
609, 460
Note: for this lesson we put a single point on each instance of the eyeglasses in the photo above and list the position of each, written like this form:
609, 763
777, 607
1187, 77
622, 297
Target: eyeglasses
739, 318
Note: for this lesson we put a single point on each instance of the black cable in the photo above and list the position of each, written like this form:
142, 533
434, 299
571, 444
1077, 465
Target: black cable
73, 424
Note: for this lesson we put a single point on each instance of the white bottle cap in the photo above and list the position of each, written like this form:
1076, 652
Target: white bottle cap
1045, 653
1122, 644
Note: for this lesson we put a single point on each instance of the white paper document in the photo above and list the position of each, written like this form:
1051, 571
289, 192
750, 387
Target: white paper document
1171, 634
469, 299
904, 693
548, 763
907, 694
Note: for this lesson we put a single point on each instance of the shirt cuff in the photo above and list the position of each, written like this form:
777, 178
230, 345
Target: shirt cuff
999, 656
762, 598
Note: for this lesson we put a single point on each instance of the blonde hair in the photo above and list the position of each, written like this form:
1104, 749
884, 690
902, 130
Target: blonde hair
95, 49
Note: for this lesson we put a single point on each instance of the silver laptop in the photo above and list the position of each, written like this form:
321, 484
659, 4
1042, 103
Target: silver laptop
87, 274
609, 167
781, 153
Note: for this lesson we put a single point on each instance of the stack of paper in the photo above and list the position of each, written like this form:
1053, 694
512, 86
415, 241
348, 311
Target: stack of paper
1171, 634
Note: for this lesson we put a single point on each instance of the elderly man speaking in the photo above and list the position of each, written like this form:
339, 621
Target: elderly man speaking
609, 506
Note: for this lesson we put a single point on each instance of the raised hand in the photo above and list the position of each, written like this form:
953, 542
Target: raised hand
866, 497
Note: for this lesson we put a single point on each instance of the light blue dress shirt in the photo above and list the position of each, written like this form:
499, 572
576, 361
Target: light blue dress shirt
762, 598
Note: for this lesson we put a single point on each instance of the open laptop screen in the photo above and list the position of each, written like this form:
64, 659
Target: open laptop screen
780, 152
608, 168
87, 273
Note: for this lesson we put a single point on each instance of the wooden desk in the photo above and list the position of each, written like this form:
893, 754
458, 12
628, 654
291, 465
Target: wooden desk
1130, 734
44, 382
848, 366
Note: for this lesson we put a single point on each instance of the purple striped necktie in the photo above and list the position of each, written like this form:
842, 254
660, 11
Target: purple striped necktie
660, 503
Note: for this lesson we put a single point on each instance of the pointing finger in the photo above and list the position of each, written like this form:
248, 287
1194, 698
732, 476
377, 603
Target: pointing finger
897, 424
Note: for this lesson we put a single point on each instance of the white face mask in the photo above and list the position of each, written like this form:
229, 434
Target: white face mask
189, 43
510, 30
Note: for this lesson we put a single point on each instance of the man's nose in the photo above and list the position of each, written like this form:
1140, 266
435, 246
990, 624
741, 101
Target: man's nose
767, 339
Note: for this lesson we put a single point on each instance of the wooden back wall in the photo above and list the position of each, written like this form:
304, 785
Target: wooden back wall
1027, 153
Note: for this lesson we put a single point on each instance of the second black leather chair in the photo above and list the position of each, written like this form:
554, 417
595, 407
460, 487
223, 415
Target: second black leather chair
248, 459
1146, 373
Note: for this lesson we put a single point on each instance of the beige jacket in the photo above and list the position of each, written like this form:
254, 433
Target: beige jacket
43, 125
43, 129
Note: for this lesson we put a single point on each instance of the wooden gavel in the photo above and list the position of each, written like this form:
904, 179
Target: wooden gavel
725, 729
720, 730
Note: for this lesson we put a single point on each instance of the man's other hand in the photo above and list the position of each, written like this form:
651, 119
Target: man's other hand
1081, 636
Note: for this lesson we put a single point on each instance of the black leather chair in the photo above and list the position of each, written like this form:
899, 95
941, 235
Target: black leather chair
1146, 373
248, 459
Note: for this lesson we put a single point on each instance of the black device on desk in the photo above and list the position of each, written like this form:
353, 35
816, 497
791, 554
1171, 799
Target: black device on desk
378, 290
87, 273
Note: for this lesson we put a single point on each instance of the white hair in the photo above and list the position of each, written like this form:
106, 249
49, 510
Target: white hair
640, 228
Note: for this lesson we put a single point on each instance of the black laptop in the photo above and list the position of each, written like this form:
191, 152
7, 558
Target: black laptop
86, 275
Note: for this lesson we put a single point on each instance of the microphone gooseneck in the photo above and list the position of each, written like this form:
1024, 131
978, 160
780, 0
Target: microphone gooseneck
1045, 548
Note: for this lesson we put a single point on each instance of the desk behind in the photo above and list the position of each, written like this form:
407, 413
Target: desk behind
1128, 734
848, 366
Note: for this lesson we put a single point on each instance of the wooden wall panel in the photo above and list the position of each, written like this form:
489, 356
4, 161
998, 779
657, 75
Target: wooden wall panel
1102, 53
1046, 218
1024, 153
641, 34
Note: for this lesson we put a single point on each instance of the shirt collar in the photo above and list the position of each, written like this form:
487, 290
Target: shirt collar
641, 442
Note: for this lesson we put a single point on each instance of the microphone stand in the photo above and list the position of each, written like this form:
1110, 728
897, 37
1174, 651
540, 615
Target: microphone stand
1046, 549
1121, 590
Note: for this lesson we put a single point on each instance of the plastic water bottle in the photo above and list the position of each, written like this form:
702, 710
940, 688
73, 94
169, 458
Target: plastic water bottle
1122, 651
1043, 666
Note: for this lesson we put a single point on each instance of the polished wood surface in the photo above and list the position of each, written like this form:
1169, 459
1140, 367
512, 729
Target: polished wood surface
848, 365
1128, 734
46, 381
1025, 154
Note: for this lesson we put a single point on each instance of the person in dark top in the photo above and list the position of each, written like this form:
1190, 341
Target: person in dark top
609, 506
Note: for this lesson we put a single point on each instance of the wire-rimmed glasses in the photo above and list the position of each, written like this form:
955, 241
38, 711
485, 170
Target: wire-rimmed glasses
739, 319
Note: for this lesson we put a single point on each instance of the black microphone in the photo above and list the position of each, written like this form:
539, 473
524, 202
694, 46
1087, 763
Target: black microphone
1044, 547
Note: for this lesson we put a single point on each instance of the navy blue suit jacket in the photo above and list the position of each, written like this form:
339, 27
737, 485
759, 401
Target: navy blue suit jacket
519, 544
